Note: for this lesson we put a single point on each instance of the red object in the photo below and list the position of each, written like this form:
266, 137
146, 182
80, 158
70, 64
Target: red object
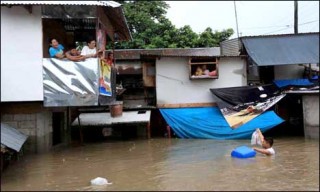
213, 73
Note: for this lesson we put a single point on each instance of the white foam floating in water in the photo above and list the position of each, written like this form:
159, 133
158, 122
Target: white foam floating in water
100, 181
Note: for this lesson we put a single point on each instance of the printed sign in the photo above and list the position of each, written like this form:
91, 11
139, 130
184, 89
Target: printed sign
105, 78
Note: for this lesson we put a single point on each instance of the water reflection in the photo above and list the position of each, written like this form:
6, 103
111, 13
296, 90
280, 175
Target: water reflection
163, 164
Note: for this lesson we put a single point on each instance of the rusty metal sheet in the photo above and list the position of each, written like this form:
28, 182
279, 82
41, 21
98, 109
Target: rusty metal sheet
131, 54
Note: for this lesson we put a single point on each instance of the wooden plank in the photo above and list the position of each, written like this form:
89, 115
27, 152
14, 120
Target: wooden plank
105, 21
183, 105
148, 130
148, 71
204, 63
24, 107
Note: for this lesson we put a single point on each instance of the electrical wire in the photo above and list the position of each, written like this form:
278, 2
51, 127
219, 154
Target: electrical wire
290, 26
287, 18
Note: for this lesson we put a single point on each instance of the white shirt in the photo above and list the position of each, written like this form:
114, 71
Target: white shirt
271, 150
87, 51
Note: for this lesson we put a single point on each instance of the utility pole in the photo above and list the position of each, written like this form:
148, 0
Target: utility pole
295, 17
235, 12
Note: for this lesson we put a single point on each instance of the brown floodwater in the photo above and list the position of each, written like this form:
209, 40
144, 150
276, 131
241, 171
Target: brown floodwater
168, 164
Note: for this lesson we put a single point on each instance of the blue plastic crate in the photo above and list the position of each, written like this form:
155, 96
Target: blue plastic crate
243, 152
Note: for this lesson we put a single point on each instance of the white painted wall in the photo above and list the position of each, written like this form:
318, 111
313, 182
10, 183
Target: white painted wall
21, 54
175, 87
288, 72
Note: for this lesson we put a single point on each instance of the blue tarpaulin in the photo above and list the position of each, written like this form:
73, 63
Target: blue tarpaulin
293, 82
209, 123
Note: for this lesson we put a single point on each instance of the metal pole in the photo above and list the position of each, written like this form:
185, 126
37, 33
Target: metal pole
310, 71
295, 17
235, 11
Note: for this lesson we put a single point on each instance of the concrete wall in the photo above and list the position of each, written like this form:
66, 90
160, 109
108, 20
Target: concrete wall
311, 115
288, 72
33, 121
175, 87
21, 54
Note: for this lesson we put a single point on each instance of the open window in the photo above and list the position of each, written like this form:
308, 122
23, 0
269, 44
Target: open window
137, 77
203, 68
80, 83
69, 32
73, 26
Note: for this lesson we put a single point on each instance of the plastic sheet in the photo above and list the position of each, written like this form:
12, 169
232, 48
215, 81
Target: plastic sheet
209, 123
255, 139
240, 105
292, 82
68, 83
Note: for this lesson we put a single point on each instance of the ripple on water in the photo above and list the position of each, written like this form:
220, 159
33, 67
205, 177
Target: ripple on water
162, 164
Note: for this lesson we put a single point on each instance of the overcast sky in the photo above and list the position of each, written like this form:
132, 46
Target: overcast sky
254, 17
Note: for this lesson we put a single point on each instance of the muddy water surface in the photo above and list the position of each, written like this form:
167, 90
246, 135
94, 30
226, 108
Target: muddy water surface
164, 164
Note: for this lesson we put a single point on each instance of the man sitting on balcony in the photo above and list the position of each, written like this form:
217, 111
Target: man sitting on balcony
74, 55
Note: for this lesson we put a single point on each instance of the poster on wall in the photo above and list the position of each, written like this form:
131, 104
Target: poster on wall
105, 78
241, 104
104, 67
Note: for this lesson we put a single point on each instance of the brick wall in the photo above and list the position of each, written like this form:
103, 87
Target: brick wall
32, 120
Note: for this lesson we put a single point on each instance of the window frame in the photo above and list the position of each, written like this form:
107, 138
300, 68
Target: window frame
212, 63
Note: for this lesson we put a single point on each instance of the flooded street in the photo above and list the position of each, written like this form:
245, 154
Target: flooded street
164, 164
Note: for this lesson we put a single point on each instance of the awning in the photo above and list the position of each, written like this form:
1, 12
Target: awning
105, 119
11, 137
283, 49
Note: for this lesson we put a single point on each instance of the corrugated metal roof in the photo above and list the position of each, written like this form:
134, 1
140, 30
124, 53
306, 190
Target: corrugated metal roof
113, 9
230, 47
96, 3
11, 137
283, 49
168, 52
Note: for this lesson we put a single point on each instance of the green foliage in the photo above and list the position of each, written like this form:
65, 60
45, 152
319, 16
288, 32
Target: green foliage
210, 39
151, 29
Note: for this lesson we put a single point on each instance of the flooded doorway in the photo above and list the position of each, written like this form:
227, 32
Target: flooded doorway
58, 119
266, 74
290, 110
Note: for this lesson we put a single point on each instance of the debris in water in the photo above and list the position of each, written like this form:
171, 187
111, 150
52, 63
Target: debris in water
100, 181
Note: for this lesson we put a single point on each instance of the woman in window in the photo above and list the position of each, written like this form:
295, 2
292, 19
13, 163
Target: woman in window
56, 49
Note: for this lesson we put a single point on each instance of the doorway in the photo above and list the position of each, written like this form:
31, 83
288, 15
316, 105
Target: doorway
58, 120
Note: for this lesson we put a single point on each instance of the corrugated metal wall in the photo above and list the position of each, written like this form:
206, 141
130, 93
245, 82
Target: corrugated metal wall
230, 47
